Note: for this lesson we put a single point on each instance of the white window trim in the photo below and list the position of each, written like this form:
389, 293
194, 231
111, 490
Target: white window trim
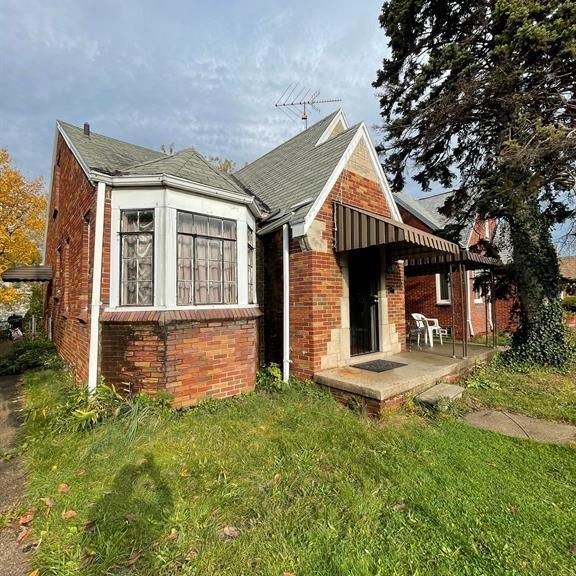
439, 300
166, 203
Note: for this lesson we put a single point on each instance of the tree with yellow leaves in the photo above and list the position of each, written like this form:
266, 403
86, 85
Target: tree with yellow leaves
22, 220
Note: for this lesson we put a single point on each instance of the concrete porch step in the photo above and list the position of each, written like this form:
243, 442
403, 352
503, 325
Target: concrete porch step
433, 395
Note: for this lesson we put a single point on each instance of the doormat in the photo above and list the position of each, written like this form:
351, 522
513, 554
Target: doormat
378, 365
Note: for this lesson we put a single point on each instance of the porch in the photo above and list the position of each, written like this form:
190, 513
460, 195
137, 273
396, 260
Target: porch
421, 369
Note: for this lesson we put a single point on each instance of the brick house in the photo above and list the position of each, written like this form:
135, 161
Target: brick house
434, 295
169, 275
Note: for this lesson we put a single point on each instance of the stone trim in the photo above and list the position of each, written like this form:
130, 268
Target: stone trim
173, 316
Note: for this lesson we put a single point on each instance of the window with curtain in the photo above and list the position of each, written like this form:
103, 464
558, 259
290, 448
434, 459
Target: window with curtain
251, 265
137, 258
207, 269
443, 288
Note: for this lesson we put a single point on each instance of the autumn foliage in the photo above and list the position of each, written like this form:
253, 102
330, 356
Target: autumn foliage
22, 219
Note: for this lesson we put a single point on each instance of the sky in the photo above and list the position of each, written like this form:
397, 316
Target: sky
193, 73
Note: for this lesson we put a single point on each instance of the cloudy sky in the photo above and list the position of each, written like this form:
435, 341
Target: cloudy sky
190, 72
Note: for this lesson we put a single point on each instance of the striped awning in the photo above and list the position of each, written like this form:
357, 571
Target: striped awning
357, 229
441, 263
41, 273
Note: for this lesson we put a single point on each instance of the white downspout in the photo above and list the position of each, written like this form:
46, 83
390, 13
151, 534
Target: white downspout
468, 311
286, 303
96, 285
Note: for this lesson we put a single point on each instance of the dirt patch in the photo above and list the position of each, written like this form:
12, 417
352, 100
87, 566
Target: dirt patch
14, 560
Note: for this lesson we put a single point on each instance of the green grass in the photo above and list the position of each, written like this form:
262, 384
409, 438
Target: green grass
313, 489
539, 392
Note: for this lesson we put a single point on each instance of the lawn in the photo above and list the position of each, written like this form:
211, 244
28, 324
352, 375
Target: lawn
293, 484
539, 392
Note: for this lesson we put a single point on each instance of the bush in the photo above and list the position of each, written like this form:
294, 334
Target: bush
569, 304
30, 354
269, 379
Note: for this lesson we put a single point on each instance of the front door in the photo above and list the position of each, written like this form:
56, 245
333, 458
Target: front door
363, 282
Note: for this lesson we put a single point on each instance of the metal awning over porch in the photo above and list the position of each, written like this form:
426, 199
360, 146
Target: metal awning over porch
40, 273
357, 229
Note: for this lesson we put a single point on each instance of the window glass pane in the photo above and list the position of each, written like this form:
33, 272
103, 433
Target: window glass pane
184, 246
215, 271
145, 293
229, 251
202, 248
444, 287
250, 237
214, 248
229, 229
215, 227
185, 222
215, 292
146, 220
145, 243
200, 225
201, 292
129, 222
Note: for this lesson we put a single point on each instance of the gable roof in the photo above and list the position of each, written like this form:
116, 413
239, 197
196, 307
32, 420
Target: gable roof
294, 178
190, 165
427, 210
105, 154
297, 170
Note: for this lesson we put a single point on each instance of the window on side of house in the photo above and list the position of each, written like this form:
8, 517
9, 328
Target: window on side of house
477, 290
207, 260
251, 266
137, 258
443, 288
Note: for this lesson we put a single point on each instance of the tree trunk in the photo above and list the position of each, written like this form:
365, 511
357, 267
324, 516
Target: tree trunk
541, 336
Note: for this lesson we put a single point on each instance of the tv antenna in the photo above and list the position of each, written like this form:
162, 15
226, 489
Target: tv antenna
296, 97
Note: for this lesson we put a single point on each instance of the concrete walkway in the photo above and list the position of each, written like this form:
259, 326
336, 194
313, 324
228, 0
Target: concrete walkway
14, 561
522, 426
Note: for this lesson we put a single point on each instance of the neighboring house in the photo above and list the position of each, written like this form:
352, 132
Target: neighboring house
568, 275
169, 275
433, 295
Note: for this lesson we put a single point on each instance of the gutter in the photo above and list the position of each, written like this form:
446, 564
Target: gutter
95, 303
286, 303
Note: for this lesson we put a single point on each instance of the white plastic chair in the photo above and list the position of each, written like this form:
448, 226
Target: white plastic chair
431, 327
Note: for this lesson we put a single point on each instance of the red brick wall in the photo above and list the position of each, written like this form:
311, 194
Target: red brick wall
191, 360
316, 282
421, 290
73, 203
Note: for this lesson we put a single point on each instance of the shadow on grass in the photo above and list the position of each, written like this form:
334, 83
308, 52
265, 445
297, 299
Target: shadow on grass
129, 521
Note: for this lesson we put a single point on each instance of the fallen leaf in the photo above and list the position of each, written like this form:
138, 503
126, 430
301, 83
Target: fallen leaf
185, 473
88, 526
67, 514
230, 532
48, 501
130, 517
63, 488
23, 534
133, 558
30, 546
192, 554
81, 472
513, 509
277, 477
172, 536
399, 507
573, 549
26, 518
35, 572
195, 497
142, 462
288, 574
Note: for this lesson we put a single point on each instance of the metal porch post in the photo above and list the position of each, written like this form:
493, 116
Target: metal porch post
464, 307
493, 297
452, 320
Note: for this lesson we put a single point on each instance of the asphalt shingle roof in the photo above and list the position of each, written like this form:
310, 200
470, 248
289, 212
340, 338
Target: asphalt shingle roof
190, 165
112, 156
296, 171
105, 154
415, 207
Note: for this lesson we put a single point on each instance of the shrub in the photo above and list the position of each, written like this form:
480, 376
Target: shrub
30, 354
269, 379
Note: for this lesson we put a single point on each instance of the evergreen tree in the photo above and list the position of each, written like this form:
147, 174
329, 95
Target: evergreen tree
480, 97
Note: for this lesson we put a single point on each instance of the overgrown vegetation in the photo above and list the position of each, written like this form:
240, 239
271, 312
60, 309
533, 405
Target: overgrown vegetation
29, 354
526, 389
290, 483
